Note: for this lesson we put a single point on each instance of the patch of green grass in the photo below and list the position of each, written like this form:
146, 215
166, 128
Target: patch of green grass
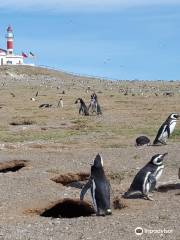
113, 145
22, 136
176, 135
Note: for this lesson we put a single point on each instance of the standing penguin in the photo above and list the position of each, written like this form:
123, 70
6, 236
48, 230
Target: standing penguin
60, 103
100, 188
146, 179
94, 105
166, 129
82, 108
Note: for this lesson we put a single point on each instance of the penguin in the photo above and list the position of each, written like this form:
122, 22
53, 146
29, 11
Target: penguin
142, 140
45, 105
94, 105
82, 109
60, 103
166, 129
146, 179
100, 188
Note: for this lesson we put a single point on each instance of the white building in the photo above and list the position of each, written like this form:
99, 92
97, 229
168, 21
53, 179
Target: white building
12, 59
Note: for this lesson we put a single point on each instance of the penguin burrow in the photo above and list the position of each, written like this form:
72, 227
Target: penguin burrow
68, 208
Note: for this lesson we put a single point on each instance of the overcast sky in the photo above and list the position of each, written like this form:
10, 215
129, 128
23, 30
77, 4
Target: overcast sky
137, 39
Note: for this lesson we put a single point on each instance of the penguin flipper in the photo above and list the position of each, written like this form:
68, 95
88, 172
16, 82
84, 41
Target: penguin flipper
152, 182
99, 109
85, 189
168, 130
161, 130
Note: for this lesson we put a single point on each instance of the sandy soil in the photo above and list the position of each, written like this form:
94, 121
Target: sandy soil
58, 141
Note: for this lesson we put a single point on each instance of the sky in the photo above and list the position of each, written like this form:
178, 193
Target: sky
114, 39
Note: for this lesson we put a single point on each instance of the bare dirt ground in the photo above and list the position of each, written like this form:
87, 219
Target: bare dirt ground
55, 141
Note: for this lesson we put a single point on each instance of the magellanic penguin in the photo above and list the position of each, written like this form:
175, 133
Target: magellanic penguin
100, 188
146, 179
166, 129
94, 105
83, 110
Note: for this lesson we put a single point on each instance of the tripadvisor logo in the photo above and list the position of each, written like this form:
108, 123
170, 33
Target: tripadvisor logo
138, 231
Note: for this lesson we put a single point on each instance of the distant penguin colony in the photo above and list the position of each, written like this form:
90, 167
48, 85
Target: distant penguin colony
166, 129
100, 188
146, 179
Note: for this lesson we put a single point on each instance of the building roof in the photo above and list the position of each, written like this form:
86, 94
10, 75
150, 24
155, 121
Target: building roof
9, 29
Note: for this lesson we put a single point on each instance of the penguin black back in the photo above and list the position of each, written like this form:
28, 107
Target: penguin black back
142, 140
100, 188
83, 108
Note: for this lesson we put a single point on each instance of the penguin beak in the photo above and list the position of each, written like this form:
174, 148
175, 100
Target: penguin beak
163, 155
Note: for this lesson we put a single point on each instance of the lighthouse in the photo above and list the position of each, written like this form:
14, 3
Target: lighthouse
10, 40
8, 57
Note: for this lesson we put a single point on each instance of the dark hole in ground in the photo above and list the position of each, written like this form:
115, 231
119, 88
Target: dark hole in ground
12, 166
168, 187
118, 203
72, 179
69, 208
21, 122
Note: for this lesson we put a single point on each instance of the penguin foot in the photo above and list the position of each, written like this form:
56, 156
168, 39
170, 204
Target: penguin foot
103, 213
100, 214
163, 142
148, 197
108, 212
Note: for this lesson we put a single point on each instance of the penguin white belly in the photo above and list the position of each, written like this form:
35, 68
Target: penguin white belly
93, 194
164, 134
172, 126
158, 172
146, 185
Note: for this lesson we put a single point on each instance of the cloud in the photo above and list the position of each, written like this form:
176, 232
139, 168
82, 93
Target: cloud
78, 5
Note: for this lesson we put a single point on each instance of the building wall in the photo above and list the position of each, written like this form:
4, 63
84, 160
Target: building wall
11, 60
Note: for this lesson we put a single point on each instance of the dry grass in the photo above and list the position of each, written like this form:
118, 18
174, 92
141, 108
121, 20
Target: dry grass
124, 117
67, 178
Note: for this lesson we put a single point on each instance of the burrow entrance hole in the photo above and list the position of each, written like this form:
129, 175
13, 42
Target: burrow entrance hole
22, 122
69, 208
12, 166
72, 179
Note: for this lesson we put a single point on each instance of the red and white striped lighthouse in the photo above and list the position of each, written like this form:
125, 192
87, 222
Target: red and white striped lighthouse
10, 39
